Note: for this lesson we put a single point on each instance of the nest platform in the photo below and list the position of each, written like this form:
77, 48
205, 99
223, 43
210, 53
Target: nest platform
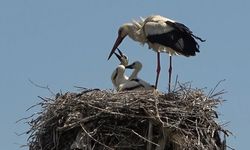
185, 119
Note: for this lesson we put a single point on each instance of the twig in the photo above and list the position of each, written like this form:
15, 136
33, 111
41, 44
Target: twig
145, 138
84, 120
150, 126
26, 118
94, 138
38, 104
175, 83
210, 94
43, 87
197, 131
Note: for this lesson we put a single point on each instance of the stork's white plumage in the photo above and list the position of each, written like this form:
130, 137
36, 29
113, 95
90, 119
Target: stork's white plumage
134, 82
137, 66
162, 35
118, 77
121, 82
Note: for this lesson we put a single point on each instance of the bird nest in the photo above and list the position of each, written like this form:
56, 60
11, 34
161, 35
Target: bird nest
141, 120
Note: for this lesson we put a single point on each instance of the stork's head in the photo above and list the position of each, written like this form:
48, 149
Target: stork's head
123, 58
123, 31
135, 65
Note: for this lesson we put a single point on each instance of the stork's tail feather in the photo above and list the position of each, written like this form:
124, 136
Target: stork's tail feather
198, 38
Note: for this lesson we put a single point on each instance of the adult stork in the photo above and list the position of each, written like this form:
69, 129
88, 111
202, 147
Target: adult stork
162, 35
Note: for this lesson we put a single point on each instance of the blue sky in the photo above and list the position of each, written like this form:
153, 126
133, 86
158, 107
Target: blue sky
62, 44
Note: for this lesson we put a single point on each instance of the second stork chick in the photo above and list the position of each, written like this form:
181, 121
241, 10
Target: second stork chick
133, 82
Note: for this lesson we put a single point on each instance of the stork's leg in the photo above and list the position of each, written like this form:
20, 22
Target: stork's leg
158, 69
169, 73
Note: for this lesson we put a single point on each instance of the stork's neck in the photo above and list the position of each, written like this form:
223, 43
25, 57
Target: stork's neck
113, 77
134, 73
120, 72
133, 32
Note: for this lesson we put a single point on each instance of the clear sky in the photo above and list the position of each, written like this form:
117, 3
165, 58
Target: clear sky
65, 43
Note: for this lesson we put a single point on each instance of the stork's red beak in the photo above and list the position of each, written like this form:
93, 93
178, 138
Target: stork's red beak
117, 43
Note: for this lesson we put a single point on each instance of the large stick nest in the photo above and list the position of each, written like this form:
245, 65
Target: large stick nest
101, 119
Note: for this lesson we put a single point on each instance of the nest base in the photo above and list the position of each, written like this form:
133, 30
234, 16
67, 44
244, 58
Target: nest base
140, 120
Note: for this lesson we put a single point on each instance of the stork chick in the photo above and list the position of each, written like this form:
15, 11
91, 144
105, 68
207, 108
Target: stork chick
118, 76
134, 82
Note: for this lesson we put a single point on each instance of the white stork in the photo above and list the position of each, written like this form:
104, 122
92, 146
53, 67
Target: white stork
134, 82
118, 77
121, 82
137, 66
162, 35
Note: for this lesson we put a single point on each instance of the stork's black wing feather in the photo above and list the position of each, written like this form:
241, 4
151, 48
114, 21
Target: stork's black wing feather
179, 39
139, 85
184, 28
181, 27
